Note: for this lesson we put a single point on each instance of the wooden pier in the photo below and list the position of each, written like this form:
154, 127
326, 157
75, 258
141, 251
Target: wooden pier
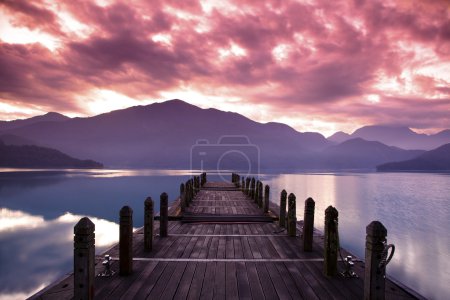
221, 244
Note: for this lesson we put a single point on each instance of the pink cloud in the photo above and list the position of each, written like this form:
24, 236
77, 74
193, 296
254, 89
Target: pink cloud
323, 59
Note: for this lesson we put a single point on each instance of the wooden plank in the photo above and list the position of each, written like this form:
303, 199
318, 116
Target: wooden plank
231, 285
254, 282
185, 282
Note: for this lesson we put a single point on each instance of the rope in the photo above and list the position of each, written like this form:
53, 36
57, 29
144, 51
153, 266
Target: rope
384, 256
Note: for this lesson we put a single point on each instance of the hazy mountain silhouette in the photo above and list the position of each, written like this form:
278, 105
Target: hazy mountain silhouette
361, 154
48, 117
162, 135
11, 139
398, 136
40, 157
339, 137
433, 160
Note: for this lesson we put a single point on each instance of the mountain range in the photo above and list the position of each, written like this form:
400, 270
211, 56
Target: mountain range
165, 135
402, 137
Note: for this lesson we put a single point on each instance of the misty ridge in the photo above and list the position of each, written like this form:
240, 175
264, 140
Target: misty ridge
178, 135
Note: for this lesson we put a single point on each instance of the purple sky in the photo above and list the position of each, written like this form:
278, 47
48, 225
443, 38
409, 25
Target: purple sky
315, 65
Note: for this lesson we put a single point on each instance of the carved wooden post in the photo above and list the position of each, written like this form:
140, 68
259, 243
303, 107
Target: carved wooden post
374, 278
256, 192
331, 241
126, 241
308, 224
266, 198
260, 194
192, 193
182, 201
148, 224
84, 259
252, 189
283, 197
164, 215
292, 219
247, 186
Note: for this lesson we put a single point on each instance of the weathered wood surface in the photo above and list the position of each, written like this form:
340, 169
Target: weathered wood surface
219, 260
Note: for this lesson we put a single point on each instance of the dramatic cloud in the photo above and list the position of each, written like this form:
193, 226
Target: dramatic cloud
316, 65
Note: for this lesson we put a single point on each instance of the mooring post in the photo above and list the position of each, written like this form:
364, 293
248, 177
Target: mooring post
247, 186
84, 259
182, 201
258, 184
164, 215
283, 198
375, 272
252, 189
292, 219
308, 224
148, 224
126, 241
266, 198
260, 195
331, 242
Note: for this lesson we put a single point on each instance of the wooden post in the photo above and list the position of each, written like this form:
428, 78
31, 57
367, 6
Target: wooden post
182, 201
84, 259
126, 241
283, 197
308, 224
292, 219
266, 199
192, 193
255, 197
331, 241
148, 224
164, 214
260, 194
374, 278
186, 194
252, 189
247, 186
243, 185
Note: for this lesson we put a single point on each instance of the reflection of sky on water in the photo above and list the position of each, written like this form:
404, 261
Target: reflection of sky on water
413, 207
34, 251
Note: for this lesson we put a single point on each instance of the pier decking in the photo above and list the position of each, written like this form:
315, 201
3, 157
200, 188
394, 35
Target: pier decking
224, 247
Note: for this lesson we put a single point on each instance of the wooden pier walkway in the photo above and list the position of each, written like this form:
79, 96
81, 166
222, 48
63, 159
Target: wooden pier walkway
224, 247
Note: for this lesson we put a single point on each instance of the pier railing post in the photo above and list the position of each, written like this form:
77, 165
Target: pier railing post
84, 259
266, 198
283, 198
126, 241
148, 224
308, 224
260, 194
331, 241
182, 198
374, 278
252, 189
247, 186
292, 219
164, 215
257, 192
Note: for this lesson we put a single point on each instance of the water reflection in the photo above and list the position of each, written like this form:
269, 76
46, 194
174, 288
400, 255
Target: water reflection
413, 207
38, 251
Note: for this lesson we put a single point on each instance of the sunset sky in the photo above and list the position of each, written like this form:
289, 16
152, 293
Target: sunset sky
315, 65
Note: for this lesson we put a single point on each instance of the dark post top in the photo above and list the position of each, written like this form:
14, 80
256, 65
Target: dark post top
84, 227
126, 211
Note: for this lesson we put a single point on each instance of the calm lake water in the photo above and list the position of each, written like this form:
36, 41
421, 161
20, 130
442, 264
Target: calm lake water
38, 210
